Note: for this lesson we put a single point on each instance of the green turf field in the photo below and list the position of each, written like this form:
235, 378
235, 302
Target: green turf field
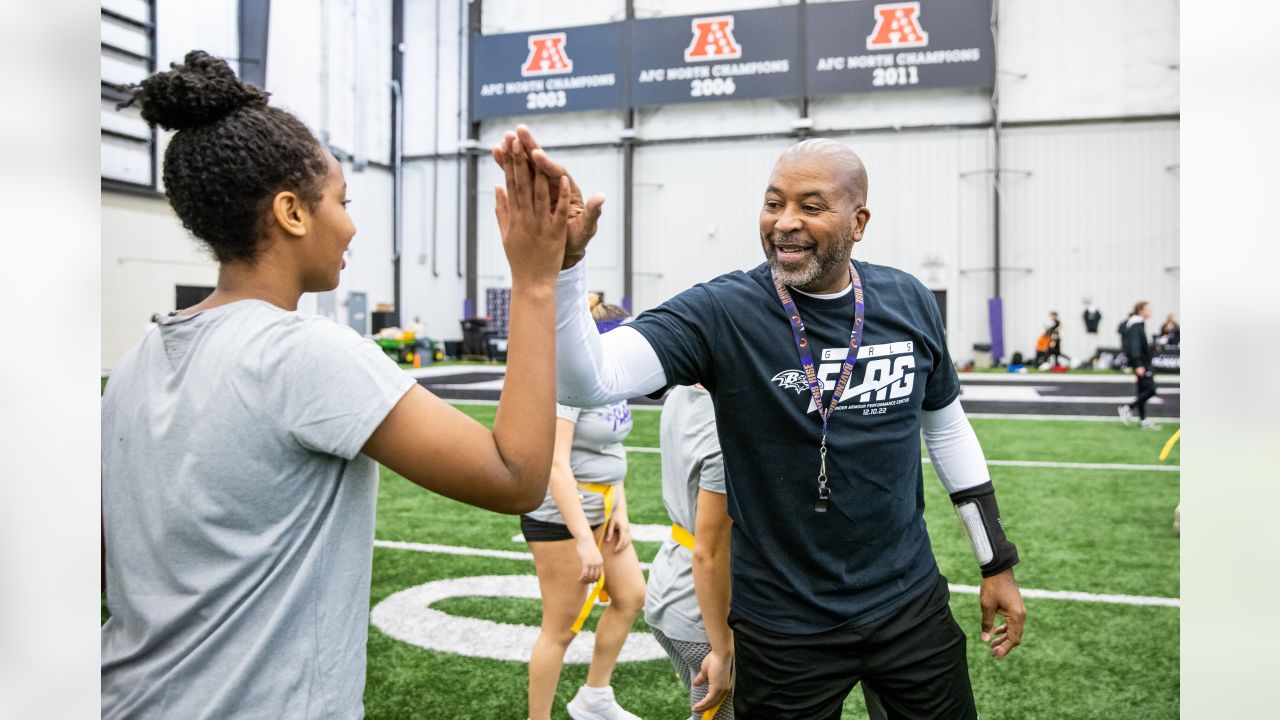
1100, 531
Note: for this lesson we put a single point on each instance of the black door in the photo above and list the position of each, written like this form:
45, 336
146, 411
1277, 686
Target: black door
188, 295
941, 297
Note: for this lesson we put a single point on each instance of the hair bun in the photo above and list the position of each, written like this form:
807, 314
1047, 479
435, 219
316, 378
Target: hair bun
200, 91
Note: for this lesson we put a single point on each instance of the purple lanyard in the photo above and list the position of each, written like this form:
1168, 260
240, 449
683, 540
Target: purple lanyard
811, 375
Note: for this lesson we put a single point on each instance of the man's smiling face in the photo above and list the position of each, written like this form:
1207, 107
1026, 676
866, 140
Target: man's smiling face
811, 217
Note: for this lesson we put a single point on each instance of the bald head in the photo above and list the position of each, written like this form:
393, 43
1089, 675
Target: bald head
843, 160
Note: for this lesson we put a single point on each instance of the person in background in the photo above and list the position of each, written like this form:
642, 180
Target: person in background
581, 542
1092, 316
1133, 337
1170, 332
687, 602
1048, 347
421, 344
241, 440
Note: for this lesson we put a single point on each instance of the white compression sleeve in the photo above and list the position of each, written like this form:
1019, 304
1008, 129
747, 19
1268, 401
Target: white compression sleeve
954, 449
594, 369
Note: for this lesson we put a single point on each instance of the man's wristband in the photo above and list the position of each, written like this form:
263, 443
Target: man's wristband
980, 515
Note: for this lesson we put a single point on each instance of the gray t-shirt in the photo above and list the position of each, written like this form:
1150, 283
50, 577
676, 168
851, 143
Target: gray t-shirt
239, 516
597, 456
690, 461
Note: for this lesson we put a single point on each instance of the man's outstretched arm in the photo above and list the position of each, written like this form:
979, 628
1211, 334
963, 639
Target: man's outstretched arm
594, 369
959, 461
591, 369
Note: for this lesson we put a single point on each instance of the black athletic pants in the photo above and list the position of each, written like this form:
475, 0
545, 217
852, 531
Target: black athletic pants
914, 660
1146, 391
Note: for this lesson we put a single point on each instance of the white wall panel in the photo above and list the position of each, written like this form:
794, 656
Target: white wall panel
185, 26
663, 8
901, 109
431, 285
696, 213
509, 16
331, 66
296, 60
145, 250
732, 117
432, 124
1088, 58
930, 205
595, 171
601, 126
145, 254
697, 210
1097, 216
369, 262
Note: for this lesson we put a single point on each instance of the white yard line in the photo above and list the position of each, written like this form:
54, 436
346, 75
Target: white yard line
1022, 463
1170, 379
1166, 379
1083, 418
979, 416
964, 589
1082, 466
1080, 596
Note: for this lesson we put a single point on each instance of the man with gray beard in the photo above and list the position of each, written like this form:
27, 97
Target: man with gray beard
823, 371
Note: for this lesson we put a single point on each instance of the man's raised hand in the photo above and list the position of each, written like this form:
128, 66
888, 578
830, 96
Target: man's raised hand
582, 214
532, 218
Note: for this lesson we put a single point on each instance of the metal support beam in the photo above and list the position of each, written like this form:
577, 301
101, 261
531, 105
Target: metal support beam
253, 22
628, 182
473, 180
397, 150
995, 155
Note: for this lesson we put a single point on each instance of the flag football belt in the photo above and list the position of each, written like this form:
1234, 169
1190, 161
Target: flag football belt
597, 590
685, 538
978, 512
682, 536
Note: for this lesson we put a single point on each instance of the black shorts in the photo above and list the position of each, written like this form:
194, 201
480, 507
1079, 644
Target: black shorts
539, 531
914, 660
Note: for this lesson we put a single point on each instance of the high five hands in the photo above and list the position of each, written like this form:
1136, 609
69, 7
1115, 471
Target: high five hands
520, 148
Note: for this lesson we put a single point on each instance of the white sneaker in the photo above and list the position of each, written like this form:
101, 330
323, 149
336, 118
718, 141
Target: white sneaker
1126, 414
585, 707
1150, 424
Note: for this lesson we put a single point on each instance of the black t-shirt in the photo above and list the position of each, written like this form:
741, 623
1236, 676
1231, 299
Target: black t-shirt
794, 570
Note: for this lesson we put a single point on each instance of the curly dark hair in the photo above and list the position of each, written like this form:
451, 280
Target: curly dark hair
231, 154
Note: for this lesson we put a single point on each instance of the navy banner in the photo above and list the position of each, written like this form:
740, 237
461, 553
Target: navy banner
849, 47
726, 56
566, 70
867, 46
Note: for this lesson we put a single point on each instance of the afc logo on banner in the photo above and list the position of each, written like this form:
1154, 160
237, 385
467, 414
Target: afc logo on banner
546, 56
713, 40
897, 26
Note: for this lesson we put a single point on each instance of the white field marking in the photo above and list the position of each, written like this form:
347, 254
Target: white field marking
1165, 379
1060, 378
437, 371
1029, 394
459, 550
968, 589
1021, 463
639, 533
1081, 466
1080, 596
980, 416
408, 616
490, 385
1083, 418
452, 550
